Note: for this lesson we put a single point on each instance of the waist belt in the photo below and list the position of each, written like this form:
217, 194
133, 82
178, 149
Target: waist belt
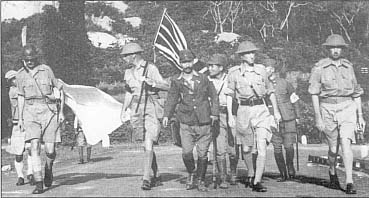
251, 102
335, 100
31, 101
223, 109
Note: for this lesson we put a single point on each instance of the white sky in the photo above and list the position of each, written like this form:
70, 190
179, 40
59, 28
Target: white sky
24, 9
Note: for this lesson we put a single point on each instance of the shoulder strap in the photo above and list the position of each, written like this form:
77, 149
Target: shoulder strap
220, 90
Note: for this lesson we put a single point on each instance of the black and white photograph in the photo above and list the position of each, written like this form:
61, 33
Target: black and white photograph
253, 98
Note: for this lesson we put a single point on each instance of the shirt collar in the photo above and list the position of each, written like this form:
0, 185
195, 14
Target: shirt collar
193, 72
331, 63
246, 68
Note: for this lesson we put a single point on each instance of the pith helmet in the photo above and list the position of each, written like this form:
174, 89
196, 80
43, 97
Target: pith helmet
131, 48
335, 40
246, 46
218, 59
10, 74
29, 52
186, 56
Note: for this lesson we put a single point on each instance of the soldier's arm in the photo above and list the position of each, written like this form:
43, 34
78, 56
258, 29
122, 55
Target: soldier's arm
157, 80
214, 98
172, 99
358, 91
230, 92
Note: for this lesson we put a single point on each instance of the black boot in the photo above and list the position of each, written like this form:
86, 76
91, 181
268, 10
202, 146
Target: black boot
259, 188
334, 182
48, 180
202, 165
156, 180
233, 166
281, 166
249, 182
350, 189
31, 179
39, 188
190, 166
146, 185
223, 173
88, 150
20, 181
80, 153
289, 161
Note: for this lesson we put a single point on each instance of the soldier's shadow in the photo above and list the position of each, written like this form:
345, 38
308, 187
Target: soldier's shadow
78, 178
303, 179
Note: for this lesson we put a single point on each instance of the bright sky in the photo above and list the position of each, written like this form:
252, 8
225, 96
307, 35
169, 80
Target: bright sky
24, 9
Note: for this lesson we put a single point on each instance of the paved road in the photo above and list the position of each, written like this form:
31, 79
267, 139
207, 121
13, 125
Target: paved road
117, 172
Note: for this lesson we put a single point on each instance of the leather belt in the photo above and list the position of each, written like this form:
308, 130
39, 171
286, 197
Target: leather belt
31, 101
334, 100
251, 102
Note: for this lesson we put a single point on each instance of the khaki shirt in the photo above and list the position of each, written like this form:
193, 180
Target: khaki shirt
221, 85
329, 80
133, 75
13, 96
241, 78
45, 79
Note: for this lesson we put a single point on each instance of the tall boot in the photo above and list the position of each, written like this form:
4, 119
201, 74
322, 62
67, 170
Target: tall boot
48, 179
279, 159
289, 161
156, 180
233, 160
334, 182
202, 165
222, 163
254, 158
39, 188
89, 148
80, 154
190, 166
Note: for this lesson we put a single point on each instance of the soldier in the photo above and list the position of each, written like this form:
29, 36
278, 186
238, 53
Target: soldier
337, 106
144, 79
39, 115
249, 85
81, 141
192, 90
286, 134
17, 143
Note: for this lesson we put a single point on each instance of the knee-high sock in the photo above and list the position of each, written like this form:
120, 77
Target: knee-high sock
36, 166
260, 163
29, 165
50, 157
148, 163
154, 166
247, 157
19, 168
347, 159
332, 165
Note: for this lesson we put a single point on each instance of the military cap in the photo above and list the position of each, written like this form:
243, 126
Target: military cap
335, 40
218, 59
186, 56
131, 48
246, 46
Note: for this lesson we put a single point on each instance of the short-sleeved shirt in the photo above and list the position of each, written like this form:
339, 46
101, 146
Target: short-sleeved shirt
13, 96
221, 85
242, 79
329, 80
45, 78
132, 77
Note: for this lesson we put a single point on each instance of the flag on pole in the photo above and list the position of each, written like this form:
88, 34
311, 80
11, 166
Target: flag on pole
169, 39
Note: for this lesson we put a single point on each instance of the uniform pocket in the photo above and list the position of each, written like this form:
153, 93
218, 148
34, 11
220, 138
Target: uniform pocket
45, 86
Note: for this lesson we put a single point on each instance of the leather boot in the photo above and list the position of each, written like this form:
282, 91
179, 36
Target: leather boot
249, 182
259, 188
233, 166
334, 182
190, 182
281, 166
80, 153
289, 161
350, 189
20, 181
39, 188
88, 150
254, 158
48, 180
31, 179
202, 165
223, 173
190, 166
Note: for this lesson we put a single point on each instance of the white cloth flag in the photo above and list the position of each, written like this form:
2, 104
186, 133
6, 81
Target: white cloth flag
98, 112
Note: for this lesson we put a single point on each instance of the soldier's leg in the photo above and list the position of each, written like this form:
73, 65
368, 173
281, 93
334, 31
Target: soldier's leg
278, 156
233, 161
260, 161
50, 158
30, 178
18, 163
203, 143
188, 143
89, 149
36, 165
222, 146
247, 153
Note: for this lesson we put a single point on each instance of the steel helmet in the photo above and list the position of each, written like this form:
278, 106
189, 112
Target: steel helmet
29, 52
186, 56
246, 46
218, 59
10, 74
335, 40
131, 48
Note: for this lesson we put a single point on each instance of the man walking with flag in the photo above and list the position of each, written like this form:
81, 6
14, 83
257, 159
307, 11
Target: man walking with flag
143, 83
191, 91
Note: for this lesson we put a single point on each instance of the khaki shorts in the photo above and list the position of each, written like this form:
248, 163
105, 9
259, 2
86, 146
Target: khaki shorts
339, 119
17, 143
41, 123
257, 117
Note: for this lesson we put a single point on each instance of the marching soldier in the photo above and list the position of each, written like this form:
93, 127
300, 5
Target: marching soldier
337, 105
143, 83
286, 134
192, 90
249, 84
39, 115
17, 143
